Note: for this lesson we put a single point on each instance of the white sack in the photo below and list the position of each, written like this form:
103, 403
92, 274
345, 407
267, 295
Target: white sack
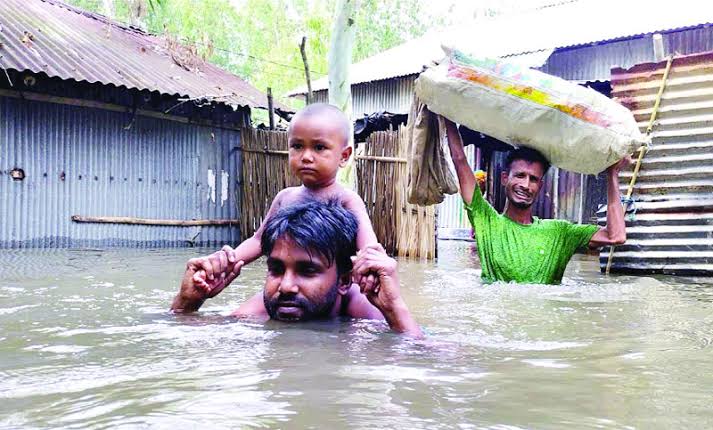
576, 128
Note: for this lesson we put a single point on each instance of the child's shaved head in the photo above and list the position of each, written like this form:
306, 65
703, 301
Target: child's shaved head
331, 115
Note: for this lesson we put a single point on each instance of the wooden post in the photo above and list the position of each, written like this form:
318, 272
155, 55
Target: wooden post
657, 40
555, 192
270, 108
307, 75
582, 192
339, 60
108, 8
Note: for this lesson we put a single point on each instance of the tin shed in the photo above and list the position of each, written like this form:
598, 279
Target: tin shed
669, 224
576, 40
99, 120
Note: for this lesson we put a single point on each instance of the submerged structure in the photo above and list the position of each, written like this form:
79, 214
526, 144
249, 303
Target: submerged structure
576, 40
670, 215
102, 122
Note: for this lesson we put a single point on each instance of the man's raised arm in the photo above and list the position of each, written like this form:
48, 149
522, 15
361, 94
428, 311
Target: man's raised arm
204, 278
460, 162
385, 293
615, 231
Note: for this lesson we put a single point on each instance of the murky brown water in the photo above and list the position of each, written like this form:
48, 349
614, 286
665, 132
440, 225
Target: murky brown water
86, 342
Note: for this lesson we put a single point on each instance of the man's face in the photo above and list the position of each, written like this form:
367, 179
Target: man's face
523, 182
300, 286
316, 149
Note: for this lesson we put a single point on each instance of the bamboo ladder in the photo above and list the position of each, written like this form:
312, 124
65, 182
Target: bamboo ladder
642, 152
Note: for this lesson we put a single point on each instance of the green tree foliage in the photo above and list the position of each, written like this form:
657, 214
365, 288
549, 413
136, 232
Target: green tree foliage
385, 24
259, 39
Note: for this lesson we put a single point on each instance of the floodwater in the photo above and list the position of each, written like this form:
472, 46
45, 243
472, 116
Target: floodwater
86, 342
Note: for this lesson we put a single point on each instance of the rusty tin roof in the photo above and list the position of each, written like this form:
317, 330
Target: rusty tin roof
49, 36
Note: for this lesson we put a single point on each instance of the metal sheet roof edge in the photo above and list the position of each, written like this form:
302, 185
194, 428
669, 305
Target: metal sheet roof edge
682, 60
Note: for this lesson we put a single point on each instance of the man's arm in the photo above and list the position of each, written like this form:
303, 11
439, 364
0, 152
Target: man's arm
460, 162
194, 290
615, 231
385, 294
247, 252
365, 231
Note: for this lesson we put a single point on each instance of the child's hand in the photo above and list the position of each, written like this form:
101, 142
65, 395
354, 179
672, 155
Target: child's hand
216, 271
205, 277
209, 287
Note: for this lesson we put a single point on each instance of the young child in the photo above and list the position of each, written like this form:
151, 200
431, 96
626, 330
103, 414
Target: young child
318, 139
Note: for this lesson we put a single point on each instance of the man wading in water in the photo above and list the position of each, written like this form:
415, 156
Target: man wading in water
310, 251
514, 245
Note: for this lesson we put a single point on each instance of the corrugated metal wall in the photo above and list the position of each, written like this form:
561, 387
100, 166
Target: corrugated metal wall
391, 95
671, 229
82, 161
594, 62
577, 197
582, 63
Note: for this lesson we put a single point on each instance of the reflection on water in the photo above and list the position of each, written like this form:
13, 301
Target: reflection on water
86, 342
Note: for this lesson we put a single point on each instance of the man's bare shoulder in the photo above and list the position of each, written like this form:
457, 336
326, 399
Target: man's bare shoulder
358, 306
253, 308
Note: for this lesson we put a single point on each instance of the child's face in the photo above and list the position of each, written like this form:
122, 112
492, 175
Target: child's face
316, 150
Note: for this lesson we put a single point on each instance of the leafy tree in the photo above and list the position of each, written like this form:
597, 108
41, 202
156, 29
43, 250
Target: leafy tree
259, 40
385, 24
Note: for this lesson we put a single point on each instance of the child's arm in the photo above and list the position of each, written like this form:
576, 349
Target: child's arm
247, 252
250, 250
365, 231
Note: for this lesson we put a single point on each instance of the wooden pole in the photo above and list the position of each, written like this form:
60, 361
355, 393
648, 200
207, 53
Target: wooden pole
307, 74
339, 60
109, 107
555, 192
381, 158
657, 40
270, 108
150, 221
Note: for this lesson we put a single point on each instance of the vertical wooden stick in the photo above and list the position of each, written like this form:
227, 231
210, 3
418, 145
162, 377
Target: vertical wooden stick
270, 108
307, 75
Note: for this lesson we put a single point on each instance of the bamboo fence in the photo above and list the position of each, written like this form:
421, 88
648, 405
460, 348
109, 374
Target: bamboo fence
382, 177
265, 173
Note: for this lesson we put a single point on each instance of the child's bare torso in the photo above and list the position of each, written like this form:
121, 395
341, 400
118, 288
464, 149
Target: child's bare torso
349, 199
294, 195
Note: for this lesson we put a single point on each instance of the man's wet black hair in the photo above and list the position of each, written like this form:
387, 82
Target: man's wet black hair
529, 155
325, 228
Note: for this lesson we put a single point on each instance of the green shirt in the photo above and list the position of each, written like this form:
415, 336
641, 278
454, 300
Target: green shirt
534, 253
